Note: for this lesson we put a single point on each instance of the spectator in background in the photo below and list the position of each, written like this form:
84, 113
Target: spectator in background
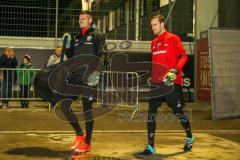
25, 78
54, 59
56, 56
8, 61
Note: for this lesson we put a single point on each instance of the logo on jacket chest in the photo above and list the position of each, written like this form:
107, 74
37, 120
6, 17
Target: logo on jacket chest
89, 38
83, 41
159, 45
160, 48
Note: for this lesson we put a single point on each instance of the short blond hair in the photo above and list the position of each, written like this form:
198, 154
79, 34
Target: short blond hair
159, 17
87, 13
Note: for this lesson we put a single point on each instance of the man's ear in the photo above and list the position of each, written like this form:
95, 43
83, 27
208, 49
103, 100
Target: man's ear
91, 20
162, 24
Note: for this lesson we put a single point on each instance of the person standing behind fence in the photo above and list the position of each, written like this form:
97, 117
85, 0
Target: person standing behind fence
8, 61
56, 56
54, 59
25, 77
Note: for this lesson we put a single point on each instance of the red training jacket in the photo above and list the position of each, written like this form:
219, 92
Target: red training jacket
168, 51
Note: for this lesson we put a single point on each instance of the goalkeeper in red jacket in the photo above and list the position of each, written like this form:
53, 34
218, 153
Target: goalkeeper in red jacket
167, 50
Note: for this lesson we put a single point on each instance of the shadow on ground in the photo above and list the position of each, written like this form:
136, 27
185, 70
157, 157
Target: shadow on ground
45, 153
158, 156
39, 152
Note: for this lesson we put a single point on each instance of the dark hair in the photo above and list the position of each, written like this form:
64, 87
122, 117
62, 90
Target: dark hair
159, 17
86, 12
27, 57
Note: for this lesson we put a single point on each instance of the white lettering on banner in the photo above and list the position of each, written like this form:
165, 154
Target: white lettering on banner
186, 82
205, 74
205, 78
204, 62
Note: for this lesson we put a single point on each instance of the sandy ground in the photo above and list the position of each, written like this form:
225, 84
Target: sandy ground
37, 133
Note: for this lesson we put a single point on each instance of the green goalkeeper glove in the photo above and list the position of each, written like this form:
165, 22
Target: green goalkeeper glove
170, 77
93, 79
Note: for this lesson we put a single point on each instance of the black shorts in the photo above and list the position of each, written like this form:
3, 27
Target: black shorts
174, 99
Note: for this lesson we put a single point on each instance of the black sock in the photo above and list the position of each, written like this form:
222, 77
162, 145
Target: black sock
151, 126
151, 139
89, 128
189, 133
71, 117
186, 125
87, 109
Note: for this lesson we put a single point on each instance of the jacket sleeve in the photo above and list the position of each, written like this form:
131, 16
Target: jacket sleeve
101, 49
19, 72
3, 61
50, 61
181, 54
31, 72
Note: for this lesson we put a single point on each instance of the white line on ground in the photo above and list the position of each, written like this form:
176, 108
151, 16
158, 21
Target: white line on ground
124, 131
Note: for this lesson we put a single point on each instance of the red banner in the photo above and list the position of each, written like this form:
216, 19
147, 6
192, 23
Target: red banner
203, 89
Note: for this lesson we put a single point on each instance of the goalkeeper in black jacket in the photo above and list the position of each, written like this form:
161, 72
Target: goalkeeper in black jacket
88, 41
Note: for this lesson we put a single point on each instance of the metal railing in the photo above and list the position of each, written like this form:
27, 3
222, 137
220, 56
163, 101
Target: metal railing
17, 84
123, 88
